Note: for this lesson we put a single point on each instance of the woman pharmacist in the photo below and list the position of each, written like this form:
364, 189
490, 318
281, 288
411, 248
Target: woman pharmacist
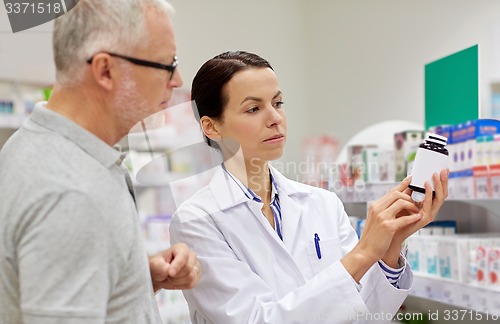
277, 251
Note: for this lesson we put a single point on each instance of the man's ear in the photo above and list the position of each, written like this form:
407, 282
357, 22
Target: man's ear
210, 128
104, 70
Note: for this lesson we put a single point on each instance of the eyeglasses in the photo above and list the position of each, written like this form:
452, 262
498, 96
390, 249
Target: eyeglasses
170, 68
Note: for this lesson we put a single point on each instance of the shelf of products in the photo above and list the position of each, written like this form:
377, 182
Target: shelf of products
165, 161
448, 268
473, 216
466, 296
366, 192
495, 99
17, 99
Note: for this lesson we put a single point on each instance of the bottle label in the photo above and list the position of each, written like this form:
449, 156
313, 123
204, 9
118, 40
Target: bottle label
427, 163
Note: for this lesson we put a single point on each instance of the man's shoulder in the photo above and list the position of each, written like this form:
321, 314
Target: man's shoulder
45, 163
42, 153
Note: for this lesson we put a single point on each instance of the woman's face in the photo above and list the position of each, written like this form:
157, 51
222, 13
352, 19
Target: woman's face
253, 116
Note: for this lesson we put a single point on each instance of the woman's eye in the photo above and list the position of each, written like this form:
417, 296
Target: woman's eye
252, 110
278, 104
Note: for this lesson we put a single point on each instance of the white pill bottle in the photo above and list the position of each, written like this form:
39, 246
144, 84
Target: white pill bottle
432, 157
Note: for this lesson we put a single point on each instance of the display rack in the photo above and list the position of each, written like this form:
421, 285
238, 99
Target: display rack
474, 298
159, 160
22, 93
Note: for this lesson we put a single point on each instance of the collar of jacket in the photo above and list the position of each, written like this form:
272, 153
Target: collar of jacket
228, 194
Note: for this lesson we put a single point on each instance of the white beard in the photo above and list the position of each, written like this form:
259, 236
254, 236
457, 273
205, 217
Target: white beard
130, 108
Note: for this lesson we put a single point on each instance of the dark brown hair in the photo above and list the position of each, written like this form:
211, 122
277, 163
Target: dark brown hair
207, 90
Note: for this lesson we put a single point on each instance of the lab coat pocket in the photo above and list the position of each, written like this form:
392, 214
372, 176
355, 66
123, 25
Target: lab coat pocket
323, 253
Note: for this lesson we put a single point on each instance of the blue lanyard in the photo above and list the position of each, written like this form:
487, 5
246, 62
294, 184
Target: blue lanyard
275, 201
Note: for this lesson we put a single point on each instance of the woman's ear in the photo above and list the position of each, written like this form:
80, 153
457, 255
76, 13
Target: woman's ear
210, 128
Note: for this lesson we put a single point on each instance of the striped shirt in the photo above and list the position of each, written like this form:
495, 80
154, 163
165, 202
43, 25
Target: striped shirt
275, 201
392, 275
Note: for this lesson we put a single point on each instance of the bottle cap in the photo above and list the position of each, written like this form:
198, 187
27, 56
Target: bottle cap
435, 138
417, 196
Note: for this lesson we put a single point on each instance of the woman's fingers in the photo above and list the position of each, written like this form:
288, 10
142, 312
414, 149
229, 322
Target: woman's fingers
427, 213
443, 175
402, 222
395, 193
408, 192
438, 187
401, 205
403, 184
396, 213
388, 200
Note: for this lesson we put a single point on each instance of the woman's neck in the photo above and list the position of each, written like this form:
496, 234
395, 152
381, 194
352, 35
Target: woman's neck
252, 173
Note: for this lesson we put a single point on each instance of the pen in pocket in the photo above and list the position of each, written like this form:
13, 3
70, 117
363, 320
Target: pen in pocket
316, 242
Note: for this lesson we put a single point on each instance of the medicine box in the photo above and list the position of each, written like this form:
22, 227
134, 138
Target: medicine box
406, 144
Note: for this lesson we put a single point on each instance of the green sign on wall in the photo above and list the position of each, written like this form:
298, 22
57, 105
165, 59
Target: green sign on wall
452, 88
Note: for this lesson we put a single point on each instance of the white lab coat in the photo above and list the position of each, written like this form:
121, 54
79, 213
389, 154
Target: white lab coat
250, 276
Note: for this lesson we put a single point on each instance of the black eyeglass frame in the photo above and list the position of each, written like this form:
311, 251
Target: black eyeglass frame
136, 61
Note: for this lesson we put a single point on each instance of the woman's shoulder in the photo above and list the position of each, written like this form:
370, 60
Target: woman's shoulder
201, 198
198, 206
299, 187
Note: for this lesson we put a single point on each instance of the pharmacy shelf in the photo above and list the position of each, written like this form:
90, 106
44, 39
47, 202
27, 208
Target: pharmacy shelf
475, 298
492, 204
481, 301
361, 193
368, 192
163, 179
27, 82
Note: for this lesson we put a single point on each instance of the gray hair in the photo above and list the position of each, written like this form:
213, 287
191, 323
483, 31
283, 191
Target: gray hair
99, 25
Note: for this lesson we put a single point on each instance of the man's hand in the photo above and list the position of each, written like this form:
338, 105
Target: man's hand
174, 268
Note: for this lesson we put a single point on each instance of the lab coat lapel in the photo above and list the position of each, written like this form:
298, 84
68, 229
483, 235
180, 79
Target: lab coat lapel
228, 195
226, 192
290, 210
256, 209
